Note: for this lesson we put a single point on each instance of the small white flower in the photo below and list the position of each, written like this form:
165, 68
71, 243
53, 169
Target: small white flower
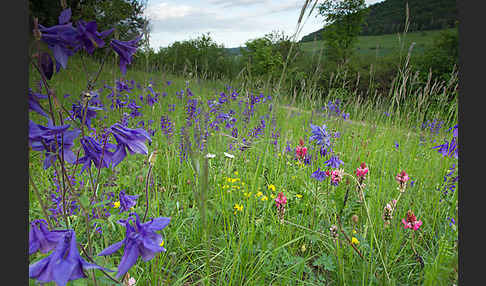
229, 155
131, 281
209, 155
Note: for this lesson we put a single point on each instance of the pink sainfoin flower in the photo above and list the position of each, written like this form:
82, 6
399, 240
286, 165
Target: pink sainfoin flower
301, 151
411, 221
280, 202
402, 179
336, 176
361, 171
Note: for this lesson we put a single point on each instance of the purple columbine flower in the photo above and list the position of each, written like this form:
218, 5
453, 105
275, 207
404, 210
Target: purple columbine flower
127, 201
41, 238
319, 175
320, 135
94, 153
141, 239
63, 264
61, 39
125, 51
88, 36
48, 138
34, 103
132, 139
334, 162
86, 114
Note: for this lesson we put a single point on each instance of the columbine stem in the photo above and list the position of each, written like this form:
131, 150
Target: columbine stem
37, 194
146, 192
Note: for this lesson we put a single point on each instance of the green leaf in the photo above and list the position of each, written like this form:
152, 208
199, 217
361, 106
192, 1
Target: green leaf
84, 201
325, 261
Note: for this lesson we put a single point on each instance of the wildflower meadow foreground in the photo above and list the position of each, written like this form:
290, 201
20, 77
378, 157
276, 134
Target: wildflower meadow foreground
147, 179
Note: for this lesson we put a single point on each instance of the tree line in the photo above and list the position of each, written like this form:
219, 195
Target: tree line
389, 17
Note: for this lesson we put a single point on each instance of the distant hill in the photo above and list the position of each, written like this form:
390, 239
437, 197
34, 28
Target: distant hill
389, 16
234, 51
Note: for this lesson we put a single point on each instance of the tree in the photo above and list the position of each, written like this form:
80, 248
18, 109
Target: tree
344, 20
441, 57
126, 16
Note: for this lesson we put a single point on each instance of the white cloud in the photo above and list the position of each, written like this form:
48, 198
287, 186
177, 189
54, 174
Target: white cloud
163, 11
287, 6
179, 20
233, 3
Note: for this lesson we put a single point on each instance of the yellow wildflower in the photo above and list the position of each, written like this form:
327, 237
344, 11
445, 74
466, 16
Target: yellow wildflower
258, 194
264, 198
116, 204
162, 243
354, 240
271, 187
238, 207
298, 196
236, 173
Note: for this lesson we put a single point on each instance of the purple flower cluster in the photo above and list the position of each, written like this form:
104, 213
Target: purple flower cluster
332, 109
319, 175
433, 126
320, 135
450, 182
449, 148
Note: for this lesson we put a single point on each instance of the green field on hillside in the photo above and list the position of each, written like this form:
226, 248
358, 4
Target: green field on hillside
383, 45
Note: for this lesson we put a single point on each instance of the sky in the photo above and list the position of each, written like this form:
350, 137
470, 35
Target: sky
229, 22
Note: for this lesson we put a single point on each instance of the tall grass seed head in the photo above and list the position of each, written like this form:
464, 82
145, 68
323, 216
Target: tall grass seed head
334, 232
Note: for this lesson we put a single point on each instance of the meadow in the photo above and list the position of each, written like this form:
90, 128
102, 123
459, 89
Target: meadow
228, 183
383, 45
